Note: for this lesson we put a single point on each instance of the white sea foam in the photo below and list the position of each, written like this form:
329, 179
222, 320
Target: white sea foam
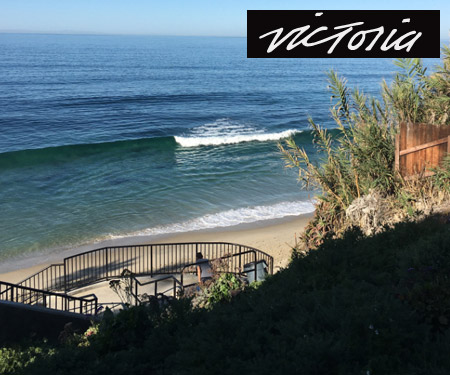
230, 218
223, 140
225, 131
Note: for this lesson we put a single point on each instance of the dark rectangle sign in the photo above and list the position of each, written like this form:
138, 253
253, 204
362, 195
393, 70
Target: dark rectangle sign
343, 33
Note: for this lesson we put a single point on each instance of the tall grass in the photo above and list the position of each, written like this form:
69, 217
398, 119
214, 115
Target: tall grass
361, 158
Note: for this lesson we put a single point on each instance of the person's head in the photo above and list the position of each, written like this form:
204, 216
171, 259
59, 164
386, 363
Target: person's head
199, 256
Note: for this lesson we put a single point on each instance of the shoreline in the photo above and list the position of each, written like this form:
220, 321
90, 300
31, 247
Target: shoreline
275, 237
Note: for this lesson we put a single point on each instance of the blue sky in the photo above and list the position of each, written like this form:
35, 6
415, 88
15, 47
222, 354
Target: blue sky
170, 17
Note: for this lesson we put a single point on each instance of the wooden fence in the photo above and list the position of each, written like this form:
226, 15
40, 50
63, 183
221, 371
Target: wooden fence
419, 147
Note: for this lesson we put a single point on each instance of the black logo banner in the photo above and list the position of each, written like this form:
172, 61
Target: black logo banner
343, 33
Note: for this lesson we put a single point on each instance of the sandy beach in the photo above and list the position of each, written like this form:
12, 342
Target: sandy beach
275, 237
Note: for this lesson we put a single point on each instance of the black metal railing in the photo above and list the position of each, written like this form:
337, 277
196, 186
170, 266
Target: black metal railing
231, 263
175, 286
50, 278
86, 305
150, 260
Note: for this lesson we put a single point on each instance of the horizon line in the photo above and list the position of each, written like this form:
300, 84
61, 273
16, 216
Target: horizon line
88, 33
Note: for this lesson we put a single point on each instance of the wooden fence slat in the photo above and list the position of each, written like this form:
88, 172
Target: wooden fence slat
397, 152
423, 146
420, 146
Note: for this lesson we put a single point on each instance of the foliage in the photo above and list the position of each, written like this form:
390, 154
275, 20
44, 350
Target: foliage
441, 177
417, 97
361, 158
355, 305
405, 97
14, 360
438, 94
123, 287
85, 338
220, 290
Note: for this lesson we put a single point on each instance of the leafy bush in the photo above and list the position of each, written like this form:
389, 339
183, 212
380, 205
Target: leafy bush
356, 305
360, 159
220, 290
441, 177
15, 360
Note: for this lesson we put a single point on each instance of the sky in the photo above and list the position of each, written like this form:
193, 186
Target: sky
172, 17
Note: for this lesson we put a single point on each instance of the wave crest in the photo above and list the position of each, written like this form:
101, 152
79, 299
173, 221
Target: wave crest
233, 138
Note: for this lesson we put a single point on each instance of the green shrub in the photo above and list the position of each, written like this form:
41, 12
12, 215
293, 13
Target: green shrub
357, 304
222, 289
14, 360
361, 158
441, 178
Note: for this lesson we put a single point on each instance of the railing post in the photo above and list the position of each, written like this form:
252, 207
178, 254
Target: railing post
136, 292
65, 276
240, 260
174, 289
151, 260
107, 263
81, 306
256, 268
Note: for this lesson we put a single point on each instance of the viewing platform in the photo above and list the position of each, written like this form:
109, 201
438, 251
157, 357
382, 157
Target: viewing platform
114, 277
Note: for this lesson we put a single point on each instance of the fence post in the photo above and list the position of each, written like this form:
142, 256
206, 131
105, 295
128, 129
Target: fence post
448, 144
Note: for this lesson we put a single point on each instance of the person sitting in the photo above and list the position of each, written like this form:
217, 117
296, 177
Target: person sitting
204, 270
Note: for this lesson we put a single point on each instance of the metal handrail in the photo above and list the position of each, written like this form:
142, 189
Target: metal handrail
32, 296
42, 283
137, 282
222, 258
150, 259
96, 265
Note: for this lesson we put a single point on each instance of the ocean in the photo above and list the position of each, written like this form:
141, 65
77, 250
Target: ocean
110, 136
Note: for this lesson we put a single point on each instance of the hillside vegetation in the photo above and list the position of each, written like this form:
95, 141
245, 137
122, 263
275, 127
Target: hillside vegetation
356, 305
356, 177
